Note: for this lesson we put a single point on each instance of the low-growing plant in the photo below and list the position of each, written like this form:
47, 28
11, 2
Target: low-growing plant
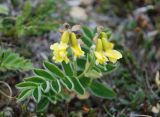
79, 61
13, 61
31, 21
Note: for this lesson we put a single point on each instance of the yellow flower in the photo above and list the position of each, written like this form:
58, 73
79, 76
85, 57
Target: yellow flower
60, 52
76, 48
60, 49
113, 55
77, 51
100, 57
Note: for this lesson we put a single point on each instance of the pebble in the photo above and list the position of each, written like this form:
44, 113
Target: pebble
78, 13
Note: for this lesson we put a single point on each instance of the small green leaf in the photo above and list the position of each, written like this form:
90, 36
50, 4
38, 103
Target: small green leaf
55, 86
45, 86
95, 30
102, 90
110, 67
42, 105
37, 94
67, 83
87, 32
84, 81
24, 94
35, 79
26, 85
44, 74
81, 63
54, 69
77, 86
85, 48
102, 67
52, 99
67, 68
87, 41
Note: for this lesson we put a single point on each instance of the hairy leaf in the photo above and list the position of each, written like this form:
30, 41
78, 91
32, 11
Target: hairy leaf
102, 90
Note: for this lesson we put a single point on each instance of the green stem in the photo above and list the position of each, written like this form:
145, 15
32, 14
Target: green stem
75, 68
82, 74
87, 69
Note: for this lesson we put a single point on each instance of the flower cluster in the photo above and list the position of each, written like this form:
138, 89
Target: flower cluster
60, 50
104, 50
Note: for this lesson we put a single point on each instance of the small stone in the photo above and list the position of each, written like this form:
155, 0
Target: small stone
51, 115
8, 112
86, 2
31, 107
73, 2
78, 13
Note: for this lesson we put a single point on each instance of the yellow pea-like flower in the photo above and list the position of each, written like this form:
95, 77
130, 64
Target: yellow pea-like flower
100, 57
113, 55
60, 49
60, 52
76, 48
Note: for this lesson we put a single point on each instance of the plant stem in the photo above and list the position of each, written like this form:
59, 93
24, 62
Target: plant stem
75, 68
87, 69
108, 111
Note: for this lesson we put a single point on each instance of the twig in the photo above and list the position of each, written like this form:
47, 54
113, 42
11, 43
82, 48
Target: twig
108, 111
137, 115
10, 90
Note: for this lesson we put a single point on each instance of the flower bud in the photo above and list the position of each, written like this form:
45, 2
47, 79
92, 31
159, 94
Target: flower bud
99, 45
65, 37
76, 48
74, 40
106, 44
103, 35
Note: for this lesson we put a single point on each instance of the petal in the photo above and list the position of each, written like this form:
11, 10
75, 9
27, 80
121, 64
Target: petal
100, 57
113, 54
113, 60
60, 52
54, 46
109, 45
65, 37
74, 40
63, 46
77, 51
106, 44
99, 45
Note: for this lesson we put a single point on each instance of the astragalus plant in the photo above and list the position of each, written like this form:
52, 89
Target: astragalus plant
77, 64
